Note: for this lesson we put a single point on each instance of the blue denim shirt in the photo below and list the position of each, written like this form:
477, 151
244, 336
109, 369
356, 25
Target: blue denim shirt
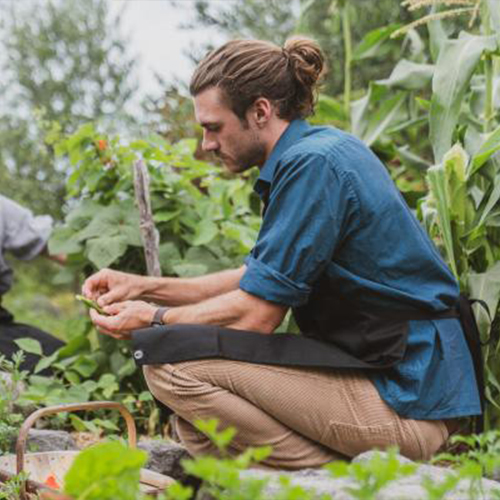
331, 207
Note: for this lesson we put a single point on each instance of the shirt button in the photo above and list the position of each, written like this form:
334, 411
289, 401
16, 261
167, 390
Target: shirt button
138, 354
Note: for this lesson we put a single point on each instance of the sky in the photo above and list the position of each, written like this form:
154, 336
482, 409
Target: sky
153, 30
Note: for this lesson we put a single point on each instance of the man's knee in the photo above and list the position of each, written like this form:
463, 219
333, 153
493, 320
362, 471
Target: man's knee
157, 378
168, 383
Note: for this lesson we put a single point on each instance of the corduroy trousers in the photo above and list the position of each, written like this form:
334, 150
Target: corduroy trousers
309, 416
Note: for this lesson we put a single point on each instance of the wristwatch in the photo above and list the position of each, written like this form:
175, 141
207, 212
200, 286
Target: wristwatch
158, 317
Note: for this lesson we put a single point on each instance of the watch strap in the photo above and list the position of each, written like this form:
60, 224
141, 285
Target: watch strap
158, 316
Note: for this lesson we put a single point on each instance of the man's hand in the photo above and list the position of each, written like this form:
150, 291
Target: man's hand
123, 318
108, 286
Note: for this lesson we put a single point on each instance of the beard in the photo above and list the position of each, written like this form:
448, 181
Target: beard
246, 156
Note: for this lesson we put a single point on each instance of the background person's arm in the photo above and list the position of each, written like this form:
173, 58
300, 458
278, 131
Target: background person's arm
23, 234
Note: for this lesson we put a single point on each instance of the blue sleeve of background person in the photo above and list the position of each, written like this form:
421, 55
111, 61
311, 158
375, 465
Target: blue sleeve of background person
306, 214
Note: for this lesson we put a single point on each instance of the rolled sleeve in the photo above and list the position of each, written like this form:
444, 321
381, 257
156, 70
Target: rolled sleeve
269, 284
303, 223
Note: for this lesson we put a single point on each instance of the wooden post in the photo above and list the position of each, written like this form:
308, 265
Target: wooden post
149, 233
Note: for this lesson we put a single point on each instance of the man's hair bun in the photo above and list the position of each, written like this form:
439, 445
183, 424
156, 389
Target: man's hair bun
245, 70
306, 59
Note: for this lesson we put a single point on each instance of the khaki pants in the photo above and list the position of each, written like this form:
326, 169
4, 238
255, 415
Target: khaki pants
309, 416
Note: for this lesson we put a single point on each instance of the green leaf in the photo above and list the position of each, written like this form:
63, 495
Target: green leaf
77, 423
127, 369
359, 109
112, 221
45, 362
338, 469
492, 200
206, 231
245, 236
382, 118
64, 240
105, 472
490, 146
108, 384
411, 159
328, 110
30, 346
102, 252
105, 424
372, 41
187, 270
203, 256
409, 75
485, 286
437, 35
454, 68
85, 366
74, 346
165, 216
438, 186
83, 213
494, 12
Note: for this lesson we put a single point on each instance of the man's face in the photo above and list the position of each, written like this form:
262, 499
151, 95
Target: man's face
236, 143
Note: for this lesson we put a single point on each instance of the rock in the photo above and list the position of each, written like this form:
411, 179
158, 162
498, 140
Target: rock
165, 457
46, 440
495, 475
410, 487
8, 386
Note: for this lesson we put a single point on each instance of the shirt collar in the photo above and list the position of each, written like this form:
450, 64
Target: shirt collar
292, 133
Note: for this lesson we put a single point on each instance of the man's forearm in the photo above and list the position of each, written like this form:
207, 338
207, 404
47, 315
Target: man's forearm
235, 309
182, 291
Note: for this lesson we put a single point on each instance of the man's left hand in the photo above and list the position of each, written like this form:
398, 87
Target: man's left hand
123, 318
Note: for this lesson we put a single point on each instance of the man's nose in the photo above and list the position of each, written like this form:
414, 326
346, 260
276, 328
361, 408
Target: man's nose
209, 144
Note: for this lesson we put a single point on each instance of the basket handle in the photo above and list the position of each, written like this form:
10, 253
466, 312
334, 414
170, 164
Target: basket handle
51, 410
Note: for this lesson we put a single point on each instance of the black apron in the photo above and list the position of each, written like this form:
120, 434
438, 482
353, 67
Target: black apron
359, 340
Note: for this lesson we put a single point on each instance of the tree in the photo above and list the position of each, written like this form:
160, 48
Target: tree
276, 20
68, 59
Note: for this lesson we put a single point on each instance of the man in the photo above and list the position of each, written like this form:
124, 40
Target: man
24, 236
382, 360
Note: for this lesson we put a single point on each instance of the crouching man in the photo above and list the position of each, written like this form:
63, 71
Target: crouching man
382, 360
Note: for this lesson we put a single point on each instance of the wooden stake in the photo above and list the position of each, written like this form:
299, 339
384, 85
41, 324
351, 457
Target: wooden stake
149, 233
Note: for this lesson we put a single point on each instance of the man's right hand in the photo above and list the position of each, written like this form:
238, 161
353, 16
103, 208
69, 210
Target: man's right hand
108, 286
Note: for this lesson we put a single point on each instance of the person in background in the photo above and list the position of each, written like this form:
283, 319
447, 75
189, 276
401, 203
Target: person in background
24, 236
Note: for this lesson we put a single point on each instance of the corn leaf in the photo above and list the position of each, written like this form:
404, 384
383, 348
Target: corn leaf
382, 118
454, 68
489, 147
436, 176
485, 286
372, 41
409, 75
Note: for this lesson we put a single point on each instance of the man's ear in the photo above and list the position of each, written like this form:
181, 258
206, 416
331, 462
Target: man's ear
261, 111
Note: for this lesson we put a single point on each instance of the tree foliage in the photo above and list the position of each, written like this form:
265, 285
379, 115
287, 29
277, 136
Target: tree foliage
69, 60
320, 19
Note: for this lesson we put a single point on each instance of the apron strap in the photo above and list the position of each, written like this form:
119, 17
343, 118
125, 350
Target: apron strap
473, 340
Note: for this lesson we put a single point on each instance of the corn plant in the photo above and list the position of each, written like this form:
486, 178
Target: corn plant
461, 208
